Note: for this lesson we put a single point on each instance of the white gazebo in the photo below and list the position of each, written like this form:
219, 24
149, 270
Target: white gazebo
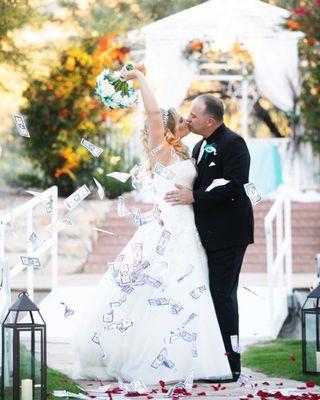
253, 23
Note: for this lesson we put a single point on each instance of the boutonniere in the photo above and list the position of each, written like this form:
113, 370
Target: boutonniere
210, 148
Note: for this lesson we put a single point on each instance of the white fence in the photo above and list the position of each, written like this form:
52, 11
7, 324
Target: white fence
279, 258
26, 210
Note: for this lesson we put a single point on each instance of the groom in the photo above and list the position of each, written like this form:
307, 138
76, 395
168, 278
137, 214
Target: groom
223, 213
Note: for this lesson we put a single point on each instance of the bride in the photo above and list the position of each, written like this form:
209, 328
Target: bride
152, 315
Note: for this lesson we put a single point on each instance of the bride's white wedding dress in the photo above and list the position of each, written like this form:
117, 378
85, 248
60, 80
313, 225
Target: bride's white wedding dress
163, 324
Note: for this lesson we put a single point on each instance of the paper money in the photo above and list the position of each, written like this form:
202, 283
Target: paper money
59, 225
175, 307
122, 210
34, 239
194, 345
188, 272
76, 197
95, 339
197, 292
164, 239
100, 189
252, 193
188, 383
121, 326
48, 203
149, 280
139, 268
137, 216
160, 358
120, 176
161, 301
235, 343
137, 253
169, 364
141, 219
117, 303
191, 317
94, 150
139, 386
137, 173
125, 275
21, 125
67, 310
127, 289
30, 261
108, 317
104, 231
66, 394
163, 171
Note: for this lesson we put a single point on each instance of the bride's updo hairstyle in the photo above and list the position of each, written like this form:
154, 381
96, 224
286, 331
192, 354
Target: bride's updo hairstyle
170, 119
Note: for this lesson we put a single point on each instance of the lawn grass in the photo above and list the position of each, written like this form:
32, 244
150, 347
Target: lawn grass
273, 359
58, 381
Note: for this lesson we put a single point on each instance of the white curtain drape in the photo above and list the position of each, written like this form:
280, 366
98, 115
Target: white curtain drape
169, 74
276, 68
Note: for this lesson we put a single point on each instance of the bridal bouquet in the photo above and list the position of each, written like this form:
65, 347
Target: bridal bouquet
114, 92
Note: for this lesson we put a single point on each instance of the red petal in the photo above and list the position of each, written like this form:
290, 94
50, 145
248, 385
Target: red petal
215, 388
201, 394
292, 357
164, 390
278, 395
154, 391
302, 387
279, 384
266, 383
175, 397
227, 353
162, 383
150, 397
195, 386
250, 396
101, 383
310, 384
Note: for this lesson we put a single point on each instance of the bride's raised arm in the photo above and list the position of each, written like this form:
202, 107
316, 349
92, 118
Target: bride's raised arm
152, 109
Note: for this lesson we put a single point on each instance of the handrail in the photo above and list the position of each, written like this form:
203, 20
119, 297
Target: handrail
279, 258
51, 243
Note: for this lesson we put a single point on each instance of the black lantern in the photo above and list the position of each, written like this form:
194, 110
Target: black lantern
24, 371
311, 333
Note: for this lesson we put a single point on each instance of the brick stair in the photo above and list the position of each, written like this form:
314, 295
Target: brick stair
305, 230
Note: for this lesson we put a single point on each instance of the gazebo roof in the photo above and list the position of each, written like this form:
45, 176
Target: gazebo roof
220, 19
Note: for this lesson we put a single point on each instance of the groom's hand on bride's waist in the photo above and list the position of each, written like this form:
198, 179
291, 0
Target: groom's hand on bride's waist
181, 196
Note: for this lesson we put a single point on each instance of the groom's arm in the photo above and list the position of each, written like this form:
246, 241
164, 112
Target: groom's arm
236, 163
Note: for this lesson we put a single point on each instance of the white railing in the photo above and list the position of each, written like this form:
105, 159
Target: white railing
26, 210
279, 257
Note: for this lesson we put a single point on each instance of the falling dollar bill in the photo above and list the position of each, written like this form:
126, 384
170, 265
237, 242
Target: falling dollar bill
161, 301
163, 171
100, 189
194, 345
137, 216
164, 239
67, 310
235, 343
108, 317
30, 261
59, 225
122, 210
252, 193
160, 358
94, 150
137, 173
21, 125
197, 292
137, 253
48, 203
125, 274
76, 197
191, 317
139, 268
188, 272
95, 339
175, 307
139, 386
34, 239
169, 364
120, 176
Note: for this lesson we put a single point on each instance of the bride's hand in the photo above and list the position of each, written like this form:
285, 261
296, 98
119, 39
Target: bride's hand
126, 75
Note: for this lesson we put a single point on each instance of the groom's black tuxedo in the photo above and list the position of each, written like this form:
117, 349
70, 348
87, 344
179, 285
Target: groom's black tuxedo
223, 215
224, 219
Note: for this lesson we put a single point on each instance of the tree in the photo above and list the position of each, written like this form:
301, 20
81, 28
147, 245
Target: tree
14, 15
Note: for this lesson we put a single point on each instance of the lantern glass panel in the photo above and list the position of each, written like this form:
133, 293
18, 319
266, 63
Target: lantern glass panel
312, 326
30, 359
8, 363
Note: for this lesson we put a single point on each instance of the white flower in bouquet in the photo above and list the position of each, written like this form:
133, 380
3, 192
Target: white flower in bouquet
114, 92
